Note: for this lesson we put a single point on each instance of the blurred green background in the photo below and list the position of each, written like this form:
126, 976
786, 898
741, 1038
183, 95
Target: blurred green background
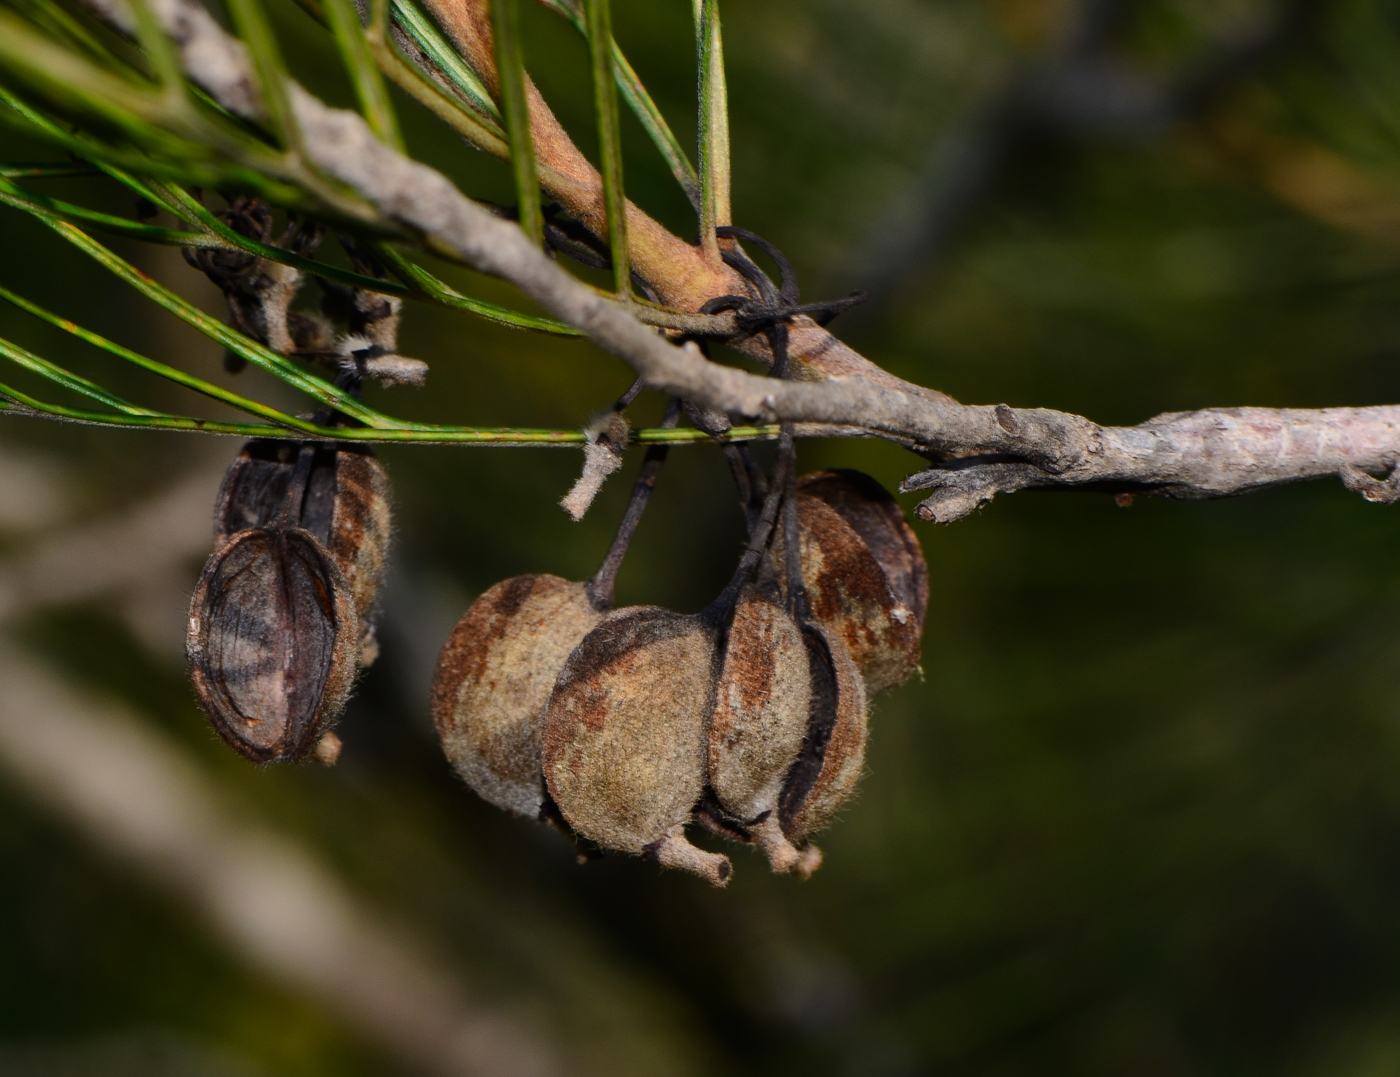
1142, 816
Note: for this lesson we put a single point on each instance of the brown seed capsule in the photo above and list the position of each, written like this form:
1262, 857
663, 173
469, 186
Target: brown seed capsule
762, 706
833, 749
272, 642
345, 505
877, 518
494, 679
851, 596
625, 735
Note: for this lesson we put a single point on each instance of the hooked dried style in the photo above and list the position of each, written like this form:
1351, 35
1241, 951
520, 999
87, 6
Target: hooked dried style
494, 679
625, 736
273, 642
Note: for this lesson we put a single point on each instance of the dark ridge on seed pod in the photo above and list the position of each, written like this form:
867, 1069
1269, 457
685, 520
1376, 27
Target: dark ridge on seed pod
875, 516
833, 749
273, 640
850, 596
345, 505
763, 702
625, 735
494, 679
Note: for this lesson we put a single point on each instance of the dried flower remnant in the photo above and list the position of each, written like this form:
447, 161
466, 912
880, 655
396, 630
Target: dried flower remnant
273, 642
494, 680
344, 503
625, 736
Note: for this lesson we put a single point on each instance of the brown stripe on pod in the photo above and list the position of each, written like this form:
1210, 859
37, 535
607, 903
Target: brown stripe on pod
877, 518
625, 735
833, 749
273, 640
851, 598
763, 703
494, 679
345, 504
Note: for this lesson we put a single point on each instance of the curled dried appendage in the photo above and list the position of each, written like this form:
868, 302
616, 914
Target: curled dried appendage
494, 679
260, 292
602, 455
273, 643
625, 736
877, 614
344, 501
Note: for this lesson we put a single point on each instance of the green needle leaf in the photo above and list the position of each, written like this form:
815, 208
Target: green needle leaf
609, 141
714, 126
359, 63
510, 68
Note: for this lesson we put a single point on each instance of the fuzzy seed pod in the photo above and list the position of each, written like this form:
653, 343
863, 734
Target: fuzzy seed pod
273, 641
851, 596
345, 506
833, 750
625, 736
877, 518
762, 706
494, 680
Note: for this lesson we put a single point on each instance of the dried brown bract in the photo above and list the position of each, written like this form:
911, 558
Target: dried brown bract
273, 642
625, 735
494, 679
344, 504
852, 596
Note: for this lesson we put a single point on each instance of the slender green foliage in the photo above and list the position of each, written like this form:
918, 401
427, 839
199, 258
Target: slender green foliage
641, 104
359, 63
510, 72
609, 140
714, 125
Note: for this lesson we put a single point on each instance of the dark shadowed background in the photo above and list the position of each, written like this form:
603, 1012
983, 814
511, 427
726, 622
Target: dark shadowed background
1141, 818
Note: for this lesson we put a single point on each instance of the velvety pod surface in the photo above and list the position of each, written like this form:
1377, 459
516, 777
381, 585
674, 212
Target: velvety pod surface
833, 750
877, 518
273, 641
494, 679
851, 597
626, 729
762, 701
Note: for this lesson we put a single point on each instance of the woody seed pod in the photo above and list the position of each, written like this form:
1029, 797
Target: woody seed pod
494, 679
833, 749
852, 597
273, 639
625, 735
345, 505
877, 518
762, 706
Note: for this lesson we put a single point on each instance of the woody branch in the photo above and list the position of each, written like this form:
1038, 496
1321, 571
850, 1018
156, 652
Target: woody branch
976, 451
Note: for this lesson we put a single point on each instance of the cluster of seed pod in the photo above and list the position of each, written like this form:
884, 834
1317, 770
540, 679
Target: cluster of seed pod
282, 617
750, 717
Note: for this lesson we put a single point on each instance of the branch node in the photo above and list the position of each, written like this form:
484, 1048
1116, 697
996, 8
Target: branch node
1378, 491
